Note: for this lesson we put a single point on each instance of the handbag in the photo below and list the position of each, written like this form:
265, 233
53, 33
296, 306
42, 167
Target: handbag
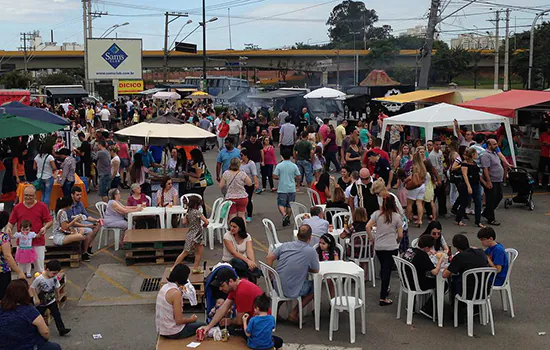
38, 183
414, 182
208, 178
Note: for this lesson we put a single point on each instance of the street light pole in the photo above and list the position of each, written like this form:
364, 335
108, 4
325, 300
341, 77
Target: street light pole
176, 15
532, 46
204, 78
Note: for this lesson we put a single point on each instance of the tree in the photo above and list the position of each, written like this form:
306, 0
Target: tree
56, 79
353, 17
16, 80
447, 64
402, 74
382, 54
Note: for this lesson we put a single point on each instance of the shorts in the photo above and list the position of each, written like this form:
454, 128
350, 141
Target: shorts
239, 205
307, 288
58, 239
544, 164
124, 163
284, 199
417, 193
104, 185
395, 146
306, 170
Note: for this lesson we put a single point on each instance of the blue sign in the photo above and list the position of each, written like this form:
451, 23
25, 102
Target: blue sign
114, 56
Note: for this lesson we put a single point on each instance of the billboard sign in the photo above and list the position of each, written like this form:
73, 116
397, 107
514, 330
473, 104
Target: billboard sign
130, 87
110, 59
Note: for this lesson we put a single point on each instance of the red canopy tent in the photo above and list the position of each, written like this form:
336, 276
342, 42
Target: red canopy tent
507, 103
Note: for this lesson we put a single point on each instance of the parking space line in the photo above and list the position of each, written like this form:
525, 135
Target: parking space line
263, 247
139, 272
111, 281
85, 294
104, 249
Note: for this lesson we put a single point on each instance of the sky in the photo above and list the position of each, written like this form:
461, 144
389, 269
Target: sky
267, 23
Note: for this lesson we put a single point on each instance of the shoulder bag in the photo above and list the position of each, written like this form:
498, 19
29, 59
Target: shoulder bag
38, 183
414, 182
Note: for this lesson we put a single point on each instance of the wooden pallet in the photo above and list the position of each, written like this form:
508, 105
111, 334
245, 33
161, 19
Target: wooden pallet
66, 254
196, 280
159, 246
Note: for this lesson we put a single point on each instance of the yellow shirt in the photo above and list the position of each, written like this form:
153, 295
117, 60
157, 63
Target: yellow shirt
340, 134
90, 114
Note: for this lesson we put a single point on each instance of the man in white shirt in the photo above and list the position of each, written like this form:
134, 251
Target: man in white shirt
318, 224
235, 129
105, 117
436, 158
66, 106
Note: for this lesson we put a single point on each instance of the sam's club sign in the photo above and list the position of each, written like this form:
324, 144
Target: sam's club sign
113, 59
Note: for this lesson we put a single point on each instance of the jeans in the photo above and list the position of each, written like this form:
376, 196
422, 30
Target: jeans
306, 170
189, 330
67, 186
493, 196
47, 187
115, 182
54, 310
453, 194
386, 264
242, 270
441, 198
477, 193
221, 142
463, 200
104, 185
331, 157
249, 206
267, 175
48, 346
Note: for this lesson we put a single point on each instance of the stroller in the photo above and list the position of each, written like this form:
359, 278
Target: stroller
522, 183
211, 294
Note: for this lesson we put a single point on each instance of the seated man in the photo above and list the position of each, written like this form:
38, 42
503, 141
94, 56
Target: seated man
295, 260
240, 292
317, 222
90, 225
498, 258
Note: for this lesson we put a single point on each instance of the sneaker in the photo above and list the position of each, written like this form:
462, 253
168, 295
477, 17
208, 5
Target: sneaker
258, 191
64, 331
28, 275
89, 251
248, 219
470, 211
286, 220
86, 257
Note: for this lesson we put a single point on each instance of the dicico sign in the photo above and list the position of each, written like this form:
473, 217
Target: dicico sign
128, 87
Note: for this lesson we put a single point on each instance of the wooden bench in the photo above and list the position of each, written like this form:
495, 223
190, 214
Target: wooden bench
69, 253
234, 343
196, 280
156, 246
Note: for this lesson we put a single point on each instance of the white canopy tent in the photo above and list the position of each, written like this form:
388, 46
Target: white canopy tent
442, 115
166, 95
325, 92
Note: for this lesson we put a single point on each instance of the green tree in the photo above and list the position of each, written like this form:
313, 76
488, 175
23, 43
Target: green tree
16, 80
447, 64
56, 79
402, 74
382, 54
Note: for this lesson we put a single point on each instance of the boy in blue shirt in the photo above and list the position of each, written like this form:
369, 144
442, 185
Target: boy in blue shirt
497, 256
259, 330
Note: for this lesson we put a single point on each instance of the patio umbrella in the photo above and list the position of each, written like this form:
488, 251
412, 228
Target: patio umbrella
200, 95
162, 134
327, 93
20, 110
13, 126
323, 98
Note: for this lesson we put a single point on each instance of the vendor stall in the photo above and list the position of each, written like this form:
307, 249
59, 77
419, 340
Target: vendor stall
57, 192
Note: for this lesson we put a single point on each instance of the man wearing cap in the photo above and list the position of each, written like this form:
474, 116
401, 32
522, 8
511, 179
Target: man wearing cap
295, 260
382, 167
240, 292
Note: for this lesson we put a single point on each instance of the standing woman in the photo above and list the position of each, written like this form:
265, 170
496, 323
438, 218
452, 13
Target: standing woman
416, 195
234, 180
331, 149
403, 157
44, 164
270, 160
181, 169
454, 162
68, 171
196, 172
470, 187
389, 231
124, 155
115, 166
249, 167
7, 262
353, 154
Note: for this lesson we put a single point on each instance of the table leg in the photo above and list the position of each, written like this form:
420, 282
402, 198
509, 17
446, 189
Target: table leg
162, 221
364, 308
317, 285
440, 290
168, 220
130, 221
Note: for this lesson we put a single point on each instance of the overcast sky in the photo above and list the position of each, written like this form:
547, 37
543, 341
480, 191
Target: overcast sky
266, 23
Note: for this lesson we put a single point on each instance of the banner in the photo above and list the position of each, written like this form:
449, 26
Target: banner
130, 87
110, 59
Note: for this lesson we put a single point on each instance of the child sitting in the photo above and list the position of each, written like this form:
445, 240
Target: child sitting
259, 330
25, 254
219, 303
45, 290
497, 256
327, 248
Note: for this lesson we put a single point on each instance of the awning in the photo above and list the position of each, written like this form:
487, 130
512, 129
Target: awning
76, 91
229, 95
507, 103
415, 96
278, 94
152, 91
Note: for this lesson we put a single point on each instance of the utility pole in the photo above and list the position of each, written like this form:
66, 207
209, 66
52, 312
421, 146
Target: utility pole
25, 38
507, 51
167, 21
85, 22
338, 70
497, 51
204, 77
430, 33
229, 20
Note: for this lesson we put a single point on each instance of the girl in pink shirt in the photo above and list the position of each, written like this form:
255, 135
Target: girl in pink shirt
269, 162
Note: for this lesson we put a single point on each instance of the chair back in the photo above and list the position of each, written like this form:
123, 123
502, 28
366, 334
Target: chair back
313, 196
215, 206
414, 243
272, 280
479, 282
407, 270
339, 248
339, 219
101, 207
512, 256
151, 204
329, 212
346, 286
364, 252
271, 233
298, 208
187, 196
223, 209
299, 218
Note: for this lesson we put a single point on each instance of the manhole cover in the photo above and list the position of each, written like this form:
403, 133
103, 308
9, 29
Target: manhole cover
150, 285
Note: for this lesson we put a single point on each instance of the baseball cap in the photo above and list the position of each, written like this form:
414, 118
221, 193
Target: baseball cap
223, 275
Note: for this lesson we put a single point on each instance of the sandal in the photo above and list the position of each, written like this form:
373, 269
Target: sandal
197, 271
480, 225
386, 302
460, 223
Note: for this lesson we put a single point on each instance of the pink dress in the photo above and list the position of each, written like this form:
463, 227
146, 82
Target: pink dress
25, 253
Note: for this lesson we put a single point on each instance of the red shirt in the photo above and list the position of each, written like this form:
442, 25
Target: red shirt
38, 215
324, 131
544, 150
244, 296
322, 195
224, 129
379, 151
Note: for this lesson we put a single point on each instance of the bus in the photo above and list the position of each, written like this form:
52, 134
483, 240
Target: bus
219, 85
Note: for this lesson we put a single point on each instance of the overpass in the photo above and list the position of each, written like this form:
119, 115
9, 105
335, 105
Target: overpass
301, 60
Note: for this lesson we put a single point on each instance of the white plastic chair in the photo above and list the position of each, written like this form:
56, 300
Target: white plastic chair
505, 290
347, 297
365, 253
338, 246
189, 195
298, 208
406, 269
275, 291
338, 220
215, 206
482, 279
313, 196
271, 233
330, 212
101, 207
150, 201
218, 224
299, 218
414, 243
